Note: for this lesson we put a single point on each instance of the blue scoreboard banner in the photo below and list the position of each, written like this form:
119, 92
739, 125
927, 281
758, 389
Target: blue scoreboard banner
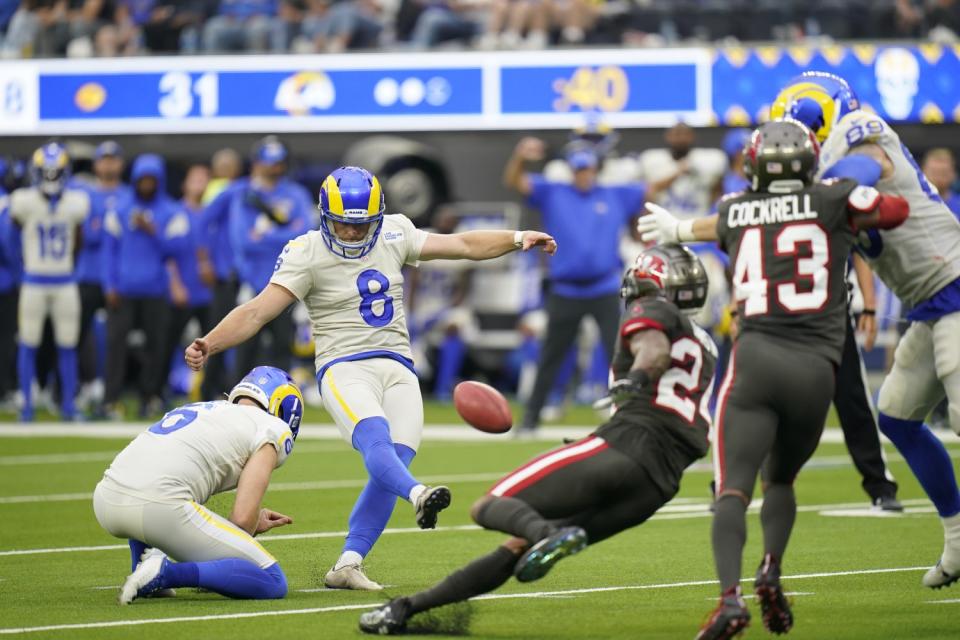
458, 91
903, 84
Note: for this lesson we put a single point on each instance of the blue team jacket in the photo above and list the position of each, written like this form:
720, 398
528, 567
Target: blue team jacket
134, 260
185, 255
255, 240
89, 266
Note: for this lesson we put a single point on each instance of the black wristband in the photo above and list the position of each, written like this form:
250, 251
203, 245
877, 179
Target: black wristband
639, 377
868, 312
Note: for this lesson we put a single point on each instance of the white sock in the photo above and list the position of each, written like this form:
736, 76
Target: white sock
415, 493
951, 548
348, 557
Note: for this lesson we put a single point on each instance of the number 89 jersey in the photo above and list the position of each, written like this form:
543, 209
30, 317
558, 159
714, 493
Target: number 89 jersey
922, 255
788, 253
355, 305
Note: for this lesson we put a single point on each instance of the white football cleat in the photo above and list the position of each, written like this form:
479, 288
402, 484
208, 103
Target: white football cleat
350, 576
145, 579
938, 577
947, 570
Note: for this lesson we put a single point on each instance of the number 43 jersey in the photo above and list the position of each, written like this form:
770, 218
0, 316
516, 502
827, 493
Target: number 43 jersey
788, 254
355, 305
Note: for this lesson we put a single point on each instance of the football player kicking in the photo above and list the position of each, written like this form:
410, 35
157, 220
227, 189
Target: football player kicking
789, 238
154, 491
348, 274
920, 262
618, 477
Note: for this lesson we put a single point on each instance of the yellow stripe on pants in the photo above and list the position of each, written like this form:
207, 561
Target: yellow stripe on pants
243, 535
340, 400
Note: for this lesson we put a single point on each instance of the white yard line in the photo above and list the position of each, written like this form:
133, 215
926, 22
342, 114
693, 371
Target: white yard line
105, 456
668, 512
493, 596
276, 486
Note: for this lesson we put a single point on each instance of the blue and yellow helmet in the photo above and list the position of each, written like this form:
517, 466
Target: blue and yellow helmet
276, 393
50, 168
351, 195
817, 99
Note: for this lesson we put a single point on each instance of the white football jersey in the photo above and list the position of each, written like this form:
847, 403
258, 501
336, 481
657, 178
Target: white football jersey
49, 234
690, 194
355, 305
922, 255
196, 451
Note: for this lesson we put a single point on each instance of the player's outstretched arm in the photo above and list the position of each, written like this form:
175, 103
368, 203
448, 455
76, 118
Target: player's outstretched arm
251, 486
659, 226
483, 245
239, 325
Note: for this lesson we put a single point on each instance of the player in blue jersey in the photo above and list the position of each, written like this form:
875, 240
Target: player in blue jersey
920, 262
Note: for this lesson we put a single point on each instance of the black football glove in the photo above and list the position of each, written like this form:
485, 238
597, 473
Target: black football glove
623, 390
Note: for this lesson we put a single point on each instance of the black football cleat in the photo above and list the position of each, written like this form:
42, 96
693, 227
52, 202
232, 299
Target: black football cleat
890, 504
728, 620
387, 620
431, 502
540, 558
777, 617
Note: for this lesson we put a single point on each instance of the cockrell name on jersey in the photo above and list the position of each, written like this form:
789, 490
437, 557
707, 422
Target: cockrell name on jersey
787, 208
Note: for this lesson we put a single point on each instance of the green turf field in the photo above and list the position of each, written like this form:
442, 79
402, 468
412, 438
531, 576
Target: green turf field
854, 576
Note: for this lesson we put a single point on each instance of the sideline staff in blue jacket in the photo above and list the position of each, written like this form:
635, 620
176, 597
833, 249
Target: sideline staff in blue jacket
140, 235
190, 296
107, 193
263, 212
587, 220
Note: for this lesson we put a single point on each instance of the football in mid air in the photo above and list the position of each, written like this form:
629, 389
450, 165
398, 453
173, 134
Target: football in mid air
482, 407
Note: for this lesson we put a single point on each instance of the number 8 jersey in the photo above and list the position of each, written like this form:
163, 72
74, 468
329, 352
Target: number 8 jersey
355, 305
788, 254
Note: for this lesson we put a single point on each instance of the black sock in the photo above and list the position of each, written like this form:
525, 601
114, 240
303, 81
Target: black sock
729, 536
480, 576
778, 513
514, 517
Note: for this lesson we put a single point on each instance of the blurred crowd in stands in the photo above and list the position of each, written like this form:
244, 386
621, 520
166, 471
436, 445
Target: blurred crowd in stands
155, 270
105, 28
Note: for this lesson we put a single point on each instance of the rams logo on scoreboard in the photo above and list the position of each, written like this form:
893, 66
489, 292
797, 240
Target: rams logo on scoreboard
90, 97
303, 92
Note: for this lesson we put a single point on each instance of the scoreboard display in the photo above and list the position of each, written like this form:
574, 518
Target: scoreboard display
458, 91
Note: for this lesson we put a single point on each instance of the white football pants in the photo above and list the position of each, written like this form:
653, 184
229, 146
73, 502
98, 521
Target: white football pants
61, 302
926, 366
185, 531
383, 387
